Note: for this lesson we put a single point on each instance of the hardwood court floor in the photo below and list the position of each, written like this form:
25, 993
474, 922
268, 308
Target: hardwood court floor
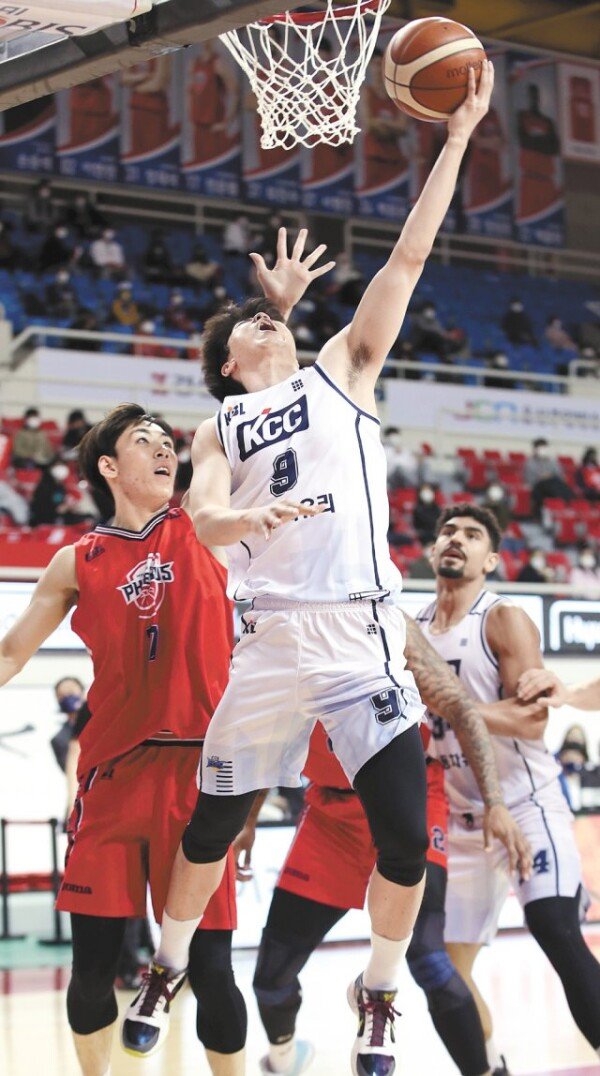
533, 1025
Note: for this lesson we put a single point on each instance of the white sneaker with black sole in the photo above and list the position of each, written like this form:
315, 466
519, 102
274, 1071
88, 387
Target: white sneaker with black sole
146, 1023
373, 1050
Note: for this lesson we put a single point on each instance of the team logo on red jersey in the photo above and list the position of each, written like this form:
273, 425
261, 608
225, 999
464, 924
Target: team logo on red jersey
146, 584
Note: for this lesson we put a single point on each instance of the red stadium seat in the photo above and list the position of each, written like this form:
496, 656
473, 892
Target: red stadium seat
477, 474
403, 499
521, 502
561, 564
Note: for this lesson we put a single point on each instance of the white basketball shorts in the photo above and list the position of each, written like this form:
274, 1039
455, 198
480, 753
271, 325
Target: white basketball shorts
342, 664
479, 881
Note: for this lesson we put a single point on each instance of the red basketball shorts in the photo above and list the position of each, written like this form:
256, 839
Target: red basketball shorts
332, 856
124, 831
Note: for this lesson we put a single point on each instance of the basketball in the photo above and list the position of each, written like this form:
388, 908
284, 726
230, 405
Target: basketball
426, 67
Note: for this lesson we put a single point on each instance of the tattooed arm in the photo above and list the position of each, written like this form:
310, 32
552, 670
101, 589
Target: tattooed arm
443, 693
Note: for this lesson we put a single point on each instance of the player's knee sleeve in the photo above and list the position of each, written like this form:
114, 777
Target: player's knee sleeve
280, 960
215, 823
221, 1020
91, 1002
431, 971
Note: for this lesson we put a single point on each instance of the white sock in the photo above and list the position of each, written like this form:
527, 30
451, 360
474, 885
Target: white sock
282, 1057
174, 945
495, 1060
387, 956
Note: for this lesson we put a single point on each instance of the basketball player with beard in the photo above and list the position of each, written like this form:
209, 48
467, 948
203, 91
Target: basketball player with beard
490, 644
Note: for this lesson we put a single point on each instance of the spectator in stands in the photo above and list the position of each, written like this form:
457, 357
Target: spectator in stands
347, 281
200, 269
157, 263
495, 500
420, 568
42, 213
587, 475
498, 361
13, 505
84, 218
404, 352
108, 256
557, 336
77, 427
536, 570
50, 498
516, 324
427, 332
57, 251
585, 576
320, 318
61, 297
218, 299
177, 316
237, 238
124, 308
148, 350
426, 514
10, 256
402, 462
544, 476
31, 447
86, 321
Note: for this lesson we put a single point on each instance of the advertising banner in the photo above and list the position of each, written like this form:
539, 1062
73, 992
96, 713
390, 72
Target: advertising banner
151, 123
27, 135
68, 17
383, 148
465, 410
327, 174
486, 183
271, 176
88, 130
211, 139
539, 205
579, 96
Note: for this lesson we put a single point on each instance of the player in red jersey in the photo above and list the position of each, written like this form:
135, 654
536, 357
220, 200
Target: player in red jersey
327, 872
151, 607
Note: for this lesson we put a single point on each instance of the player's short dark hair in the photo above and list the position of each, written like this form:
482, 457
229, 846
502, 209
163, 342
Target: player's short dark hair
102, 439
215, 344
476, 512
63, 680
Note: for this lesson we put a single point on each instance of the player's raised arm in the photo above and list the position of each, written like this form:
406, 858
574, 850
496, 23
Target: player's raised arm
285, 284
52, 598
216, 523
366, 343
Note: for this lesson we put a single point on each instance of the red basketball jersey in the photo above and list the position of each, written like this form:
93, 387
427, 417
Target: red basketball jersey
152, 611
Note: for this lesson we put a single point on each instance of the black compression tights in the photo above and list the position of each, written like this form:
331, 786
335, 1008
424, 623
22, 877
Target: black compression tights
91, 1001
554, 923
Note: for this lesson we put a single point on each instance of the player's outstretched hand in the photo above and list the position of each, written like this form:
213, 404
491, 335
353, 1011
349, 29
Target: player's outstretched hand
499, 823
265, 520
242, 850
464, 121
536, 682
285, 284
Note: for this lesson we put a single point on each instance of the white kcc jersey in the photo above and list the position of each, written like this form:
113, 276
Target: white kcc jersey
524, 766
304, 440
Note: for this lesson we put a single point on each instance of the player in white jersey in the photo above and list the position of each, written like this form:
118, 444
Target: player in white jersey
491, 644
325, 637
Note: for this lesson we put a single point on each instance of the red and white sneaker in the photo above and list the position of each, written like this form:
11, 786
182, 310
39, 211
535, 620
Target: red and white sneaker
373, 1050
146, 1023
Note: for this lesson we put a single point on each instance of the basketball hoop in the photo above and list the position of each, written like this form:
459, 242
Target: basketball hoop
306, 70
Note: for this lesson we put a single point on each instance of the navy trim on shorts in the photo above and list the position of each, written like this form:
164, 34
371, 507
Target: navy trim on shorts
542, 812
368, 496
337, 389
386, 648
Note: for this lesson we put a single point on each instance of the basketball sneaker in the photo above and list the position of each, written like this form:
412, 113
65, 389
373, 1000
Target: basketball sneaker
373, 1050
146, 1022
302, 1058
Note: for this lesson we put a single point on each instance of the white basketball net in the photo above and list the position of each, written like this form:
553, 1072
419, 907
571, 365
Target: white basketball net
306, 77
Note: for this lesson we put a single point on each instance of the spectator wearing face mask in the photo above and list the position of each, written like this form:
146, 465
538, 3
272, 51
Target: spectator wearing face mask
84, 218
557, 336
31, 447
536, 569
61, 297
77, 427
41, 210
70, 696
495, 500
427, 332
49, 503
237, 237
57, 252
585, 577
200, 269
217, 301
124, 308
543, 474
572, 757
147, 349
498, 361
426, 514
176, 315
516, 324
402, 462
107, 255
587, 475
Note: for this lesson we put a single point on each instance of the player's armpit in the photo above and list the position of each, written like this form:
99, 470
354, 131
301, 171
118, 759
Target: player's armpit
54, 595
515, 642
443, 694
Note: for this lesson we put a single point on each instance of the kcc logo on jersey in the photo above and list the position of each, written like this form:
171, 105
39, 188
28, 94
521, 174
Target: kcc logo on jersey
146, 584
270, 427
